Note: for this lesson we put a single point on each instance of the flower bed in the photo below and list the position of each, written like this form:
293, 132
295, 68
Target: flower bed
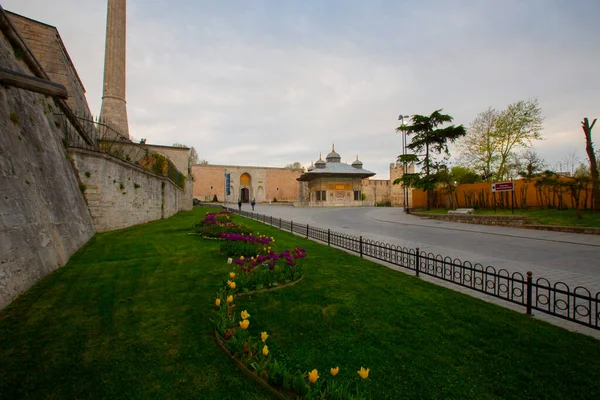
237, 244
215, 224
251, 352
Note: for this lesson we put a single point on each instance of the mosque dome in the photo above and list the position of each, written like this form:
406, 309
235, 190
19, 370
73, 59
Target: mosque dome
320, 163
357, 164
312, 166
333, 157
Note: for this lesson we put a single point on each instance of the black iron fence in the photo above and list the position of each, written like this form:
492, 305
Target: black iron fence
558, 299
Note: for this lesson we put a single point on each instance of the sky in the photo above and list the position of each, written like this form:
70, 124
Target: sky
271, 82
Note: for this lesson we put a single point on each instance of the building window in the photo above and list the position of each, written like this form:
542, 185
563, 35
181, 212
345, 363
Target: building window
324, 195
318, 195
210, 187
356, 195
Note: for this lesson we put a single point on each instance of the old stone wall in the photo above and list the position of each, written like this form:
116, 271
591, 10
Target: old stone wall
45, 43
265, 184
377, 190
43, 215
397, 191
178, 155
120, 194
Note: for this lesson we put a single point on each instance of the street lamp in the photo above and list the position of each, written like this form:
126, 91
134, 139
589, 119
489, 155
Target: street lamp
404, 166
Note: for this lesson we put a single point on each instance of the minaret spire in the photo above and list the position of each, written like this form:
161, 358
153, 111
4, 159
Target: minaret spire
114, 106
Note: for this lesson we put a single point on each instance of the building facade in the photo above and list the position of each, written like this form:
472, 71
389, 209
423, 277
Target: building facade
262, 184
332, 183
327, 183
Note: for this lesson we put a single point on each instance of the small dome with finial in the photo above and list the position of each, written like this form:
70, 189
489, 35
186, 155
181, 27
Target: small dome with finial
312, 166
320, 163
357, 164
333, 157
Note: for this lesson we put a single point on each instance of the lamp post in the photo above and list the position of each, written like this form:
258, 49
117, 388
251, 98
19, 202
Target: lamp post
404, 166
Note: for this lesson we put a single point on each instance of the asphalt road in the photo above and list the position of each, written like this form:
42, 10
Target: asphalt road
568, 257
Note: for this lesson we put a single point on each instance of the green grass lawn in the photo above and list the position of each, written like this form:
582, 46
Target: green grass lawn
128, 318
544, 217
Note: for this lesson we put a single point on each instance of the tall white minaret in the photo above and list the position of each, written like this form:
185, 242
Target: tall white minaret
114, 105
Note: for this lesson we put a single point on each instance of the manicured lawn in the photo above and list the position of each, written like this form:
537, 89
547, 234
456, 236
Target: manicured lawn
545, 217
128, 318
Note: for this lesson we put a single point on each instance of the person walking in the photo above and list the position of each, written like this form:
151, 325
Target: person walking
240, 204
253, 204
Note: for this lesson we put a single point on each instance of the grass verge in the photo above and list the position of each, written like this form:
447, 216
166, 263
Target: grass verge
128, 317
539, 216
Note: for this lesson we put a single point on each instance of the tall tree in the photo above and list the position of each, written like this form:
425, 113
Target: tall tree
589, 149
480, 149
428, 138
517, 127
494, 137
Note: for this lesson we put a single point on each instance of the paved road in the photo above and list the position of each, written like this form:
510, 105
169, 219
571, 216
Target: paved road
567, 257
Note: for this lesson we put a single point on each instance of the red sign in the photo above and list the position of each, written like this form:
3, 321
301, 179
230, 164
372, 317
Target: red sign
503, 187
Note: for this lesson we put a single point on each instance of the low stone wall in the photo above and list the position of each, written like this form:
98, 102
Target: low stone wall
516, 221
501, 220
120, 194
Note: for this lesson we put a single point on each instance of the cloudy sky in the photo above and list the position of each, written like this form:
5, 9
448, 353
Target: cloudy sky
270, 82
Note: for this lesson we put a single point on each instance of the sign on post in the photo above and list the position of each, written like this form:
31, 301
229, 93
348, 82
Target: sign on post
503, 187
228, 184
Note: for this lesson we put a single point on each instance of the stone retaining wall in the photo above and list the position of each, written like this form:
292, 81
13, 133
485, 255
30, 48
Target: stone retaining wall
121, 194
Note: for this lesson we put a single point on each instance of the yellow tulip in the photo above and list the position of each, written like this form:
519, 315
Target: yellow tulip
231, 284
232, 275
230, 299
265, 351
241, 257
245, 314
364, 373
334, 371
244, 324
313, 376
218, 302
264, 336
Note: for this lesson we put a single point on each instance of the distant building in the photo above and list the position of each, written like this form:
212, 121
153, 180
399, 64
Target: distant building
263, 184
333, 183
327, 183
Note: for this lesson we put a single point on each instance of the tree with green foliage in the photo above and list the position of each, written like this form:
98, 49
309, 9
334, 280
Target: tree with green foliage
427, 140
295, 166
589, 149
494, 136
464, 175
479, 148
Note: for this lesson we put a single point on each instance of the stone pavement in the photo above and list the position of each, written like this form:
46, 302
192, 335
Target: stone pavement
372, 223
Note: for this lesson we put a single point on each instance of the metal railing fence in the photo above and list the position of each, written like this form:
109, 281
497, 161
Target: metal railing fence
578, 305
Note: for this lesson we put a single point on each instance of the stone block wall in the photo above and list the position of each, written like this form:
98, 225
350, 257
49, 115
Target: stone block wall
281, 184
43, 215
120, 194
397, 191
376, 190
45, 43
265, 185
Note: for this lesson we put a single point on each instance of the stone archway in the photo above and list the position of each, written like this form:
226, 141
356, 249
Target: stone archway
245, 187
245, 195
